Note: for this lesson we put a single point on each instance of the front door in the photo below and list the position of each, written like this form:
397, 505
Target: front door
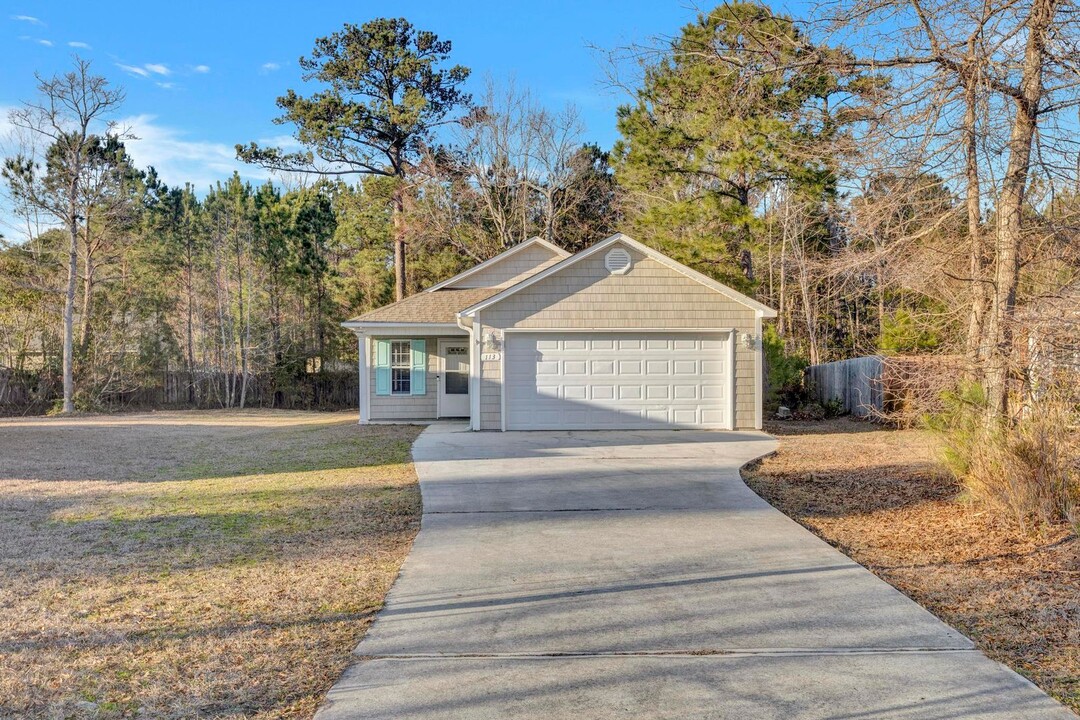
454, 378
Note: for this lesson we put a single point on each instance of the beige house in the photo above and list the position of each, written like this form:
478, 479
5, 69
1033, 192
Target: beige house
618, 336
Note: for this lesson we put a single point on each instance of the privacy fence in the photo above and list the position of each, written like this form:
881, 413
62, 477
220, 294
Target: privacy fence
855, 384
897, 388
32, 393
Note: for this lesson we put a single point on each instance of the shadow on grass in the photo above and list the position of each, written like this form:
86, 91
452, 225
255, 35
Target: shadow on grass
181, 532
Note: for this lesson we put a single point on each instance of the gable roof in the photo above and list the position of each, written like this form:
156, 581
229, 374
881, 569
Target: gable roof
531, 242
426, 307
628, 241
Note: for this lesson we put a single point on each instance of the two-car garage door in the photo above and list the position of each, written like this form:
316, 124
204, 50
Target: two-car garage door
592, 381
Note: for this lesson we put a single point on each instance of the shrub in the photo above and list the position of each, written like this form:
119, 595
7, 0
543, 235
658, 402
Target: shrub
1027, 469
784, 373
902, 332
834, 408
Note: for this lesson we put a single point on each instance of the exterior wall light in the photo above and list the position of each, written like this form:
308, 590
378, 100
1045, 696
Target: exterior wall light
492, 341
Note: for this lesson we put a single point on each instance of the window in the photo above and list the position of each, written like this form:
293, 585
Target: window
401, 367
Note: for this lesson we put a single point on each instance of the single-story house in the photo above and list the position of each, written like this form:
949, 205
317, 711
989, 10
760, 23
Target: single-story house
618, 336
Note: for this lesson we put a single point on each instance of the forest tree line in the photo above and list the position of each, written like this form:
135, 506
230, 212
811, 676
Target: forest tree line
892, 177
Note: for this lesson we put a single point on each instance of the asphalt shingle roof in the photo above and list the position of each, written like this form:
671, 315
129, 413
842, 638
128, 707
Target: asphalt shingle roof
440, 306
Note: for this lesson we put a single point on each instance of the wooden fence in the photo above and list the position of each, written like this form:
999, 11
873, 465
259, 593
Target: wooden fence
27, 393
855, 383
900, 389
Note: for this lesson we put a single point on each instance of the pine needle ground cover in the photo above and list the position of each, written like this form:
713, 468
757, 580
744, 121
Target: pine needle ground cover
880, 496
193, 564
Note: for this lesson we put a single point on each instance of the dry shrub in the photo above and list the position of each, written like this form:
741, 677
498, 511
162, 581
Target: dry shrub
913, 386
1027, 469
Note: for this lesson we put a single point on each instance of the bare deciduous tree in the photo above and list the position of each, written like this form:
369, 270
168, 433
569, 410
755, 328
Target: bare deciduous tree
65, 116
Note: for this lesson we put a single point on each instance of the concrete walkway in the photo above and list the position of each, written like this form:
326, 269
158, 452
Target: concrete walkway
634, 575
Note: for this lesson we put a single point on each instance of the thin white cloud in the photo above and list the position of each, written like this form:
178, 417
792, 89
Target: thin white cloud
146, 70
28, 19
46, 43
165, 85
178, 158
80, 44
201, 69
133, 70
270, 67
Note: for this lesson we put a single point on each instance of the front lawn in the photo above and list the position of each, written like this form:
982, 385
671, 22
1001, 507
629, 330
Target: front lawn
193, 564
880, 497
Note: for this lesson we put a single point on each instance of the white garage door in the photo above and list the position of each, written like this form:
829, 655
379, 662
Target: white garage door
580, 381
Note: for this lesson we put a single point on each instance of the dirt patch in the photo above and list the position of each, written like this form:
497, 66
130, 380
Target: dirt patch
193, 564
880, 497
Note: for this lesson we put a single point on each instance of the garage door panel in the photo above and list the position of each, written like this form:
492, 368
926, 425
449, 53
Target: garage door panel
624, 380
603, 367
603, 392
686, 367
574, 367
685, 416
657, 392
686, 392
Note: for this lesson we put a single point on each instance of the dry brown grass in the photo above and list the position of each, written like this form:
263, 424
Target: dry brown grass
193, 564
880, 496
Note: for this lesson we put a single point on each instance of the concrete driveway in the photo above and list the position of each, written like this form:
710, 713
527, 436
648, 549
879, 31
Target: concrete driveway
634, 575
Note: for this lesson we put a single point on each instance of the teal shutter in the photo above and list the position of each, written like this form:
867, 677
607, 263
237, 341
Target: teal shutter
382, 367
419, 367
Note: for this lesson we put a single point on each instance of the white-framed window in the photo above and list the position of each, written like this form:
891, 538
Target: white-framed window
400, 367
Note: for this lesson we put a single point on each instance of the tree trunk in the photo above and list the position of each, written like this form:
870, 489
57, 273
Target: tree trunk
1010, 210
69, 315
399, 241
977, 259
781, 325
242, 316
190, 324
87, 307
881, 300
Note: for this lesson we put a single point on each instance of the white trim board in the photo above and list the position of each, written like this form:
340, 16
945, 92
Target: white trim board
559, 252
694, 275
621, 330
365, 379
376, 329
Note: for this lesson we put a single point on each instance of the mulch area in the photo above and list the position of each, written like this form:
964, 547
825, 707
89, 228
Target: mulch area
879, 496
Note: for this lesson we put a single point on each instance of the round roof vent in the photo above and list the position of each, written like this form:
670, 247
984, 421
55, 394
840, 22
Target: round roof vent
618, 261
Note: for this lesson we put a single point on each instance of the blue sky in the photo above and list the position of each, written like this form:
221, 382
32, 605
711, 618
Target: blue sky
201, 77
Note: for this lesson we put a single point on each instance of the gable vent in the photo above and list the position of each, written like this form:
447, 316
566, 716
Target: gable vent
617, 261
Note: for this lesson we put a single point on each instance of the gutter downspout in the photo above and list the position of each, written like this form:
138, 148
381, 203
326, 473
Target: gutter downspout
466, 323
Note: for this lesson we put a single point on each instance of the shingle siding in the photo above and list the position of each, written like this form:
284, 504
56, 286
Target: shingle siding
407, 407
519, 266
650, 296
491, 395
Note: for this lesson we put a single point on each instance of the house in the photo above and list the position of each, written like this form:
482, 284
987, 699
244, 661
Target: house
618, 336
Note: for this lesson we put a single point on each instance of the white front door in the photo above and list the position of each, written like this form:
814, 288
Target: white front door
592, 381
454, 378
